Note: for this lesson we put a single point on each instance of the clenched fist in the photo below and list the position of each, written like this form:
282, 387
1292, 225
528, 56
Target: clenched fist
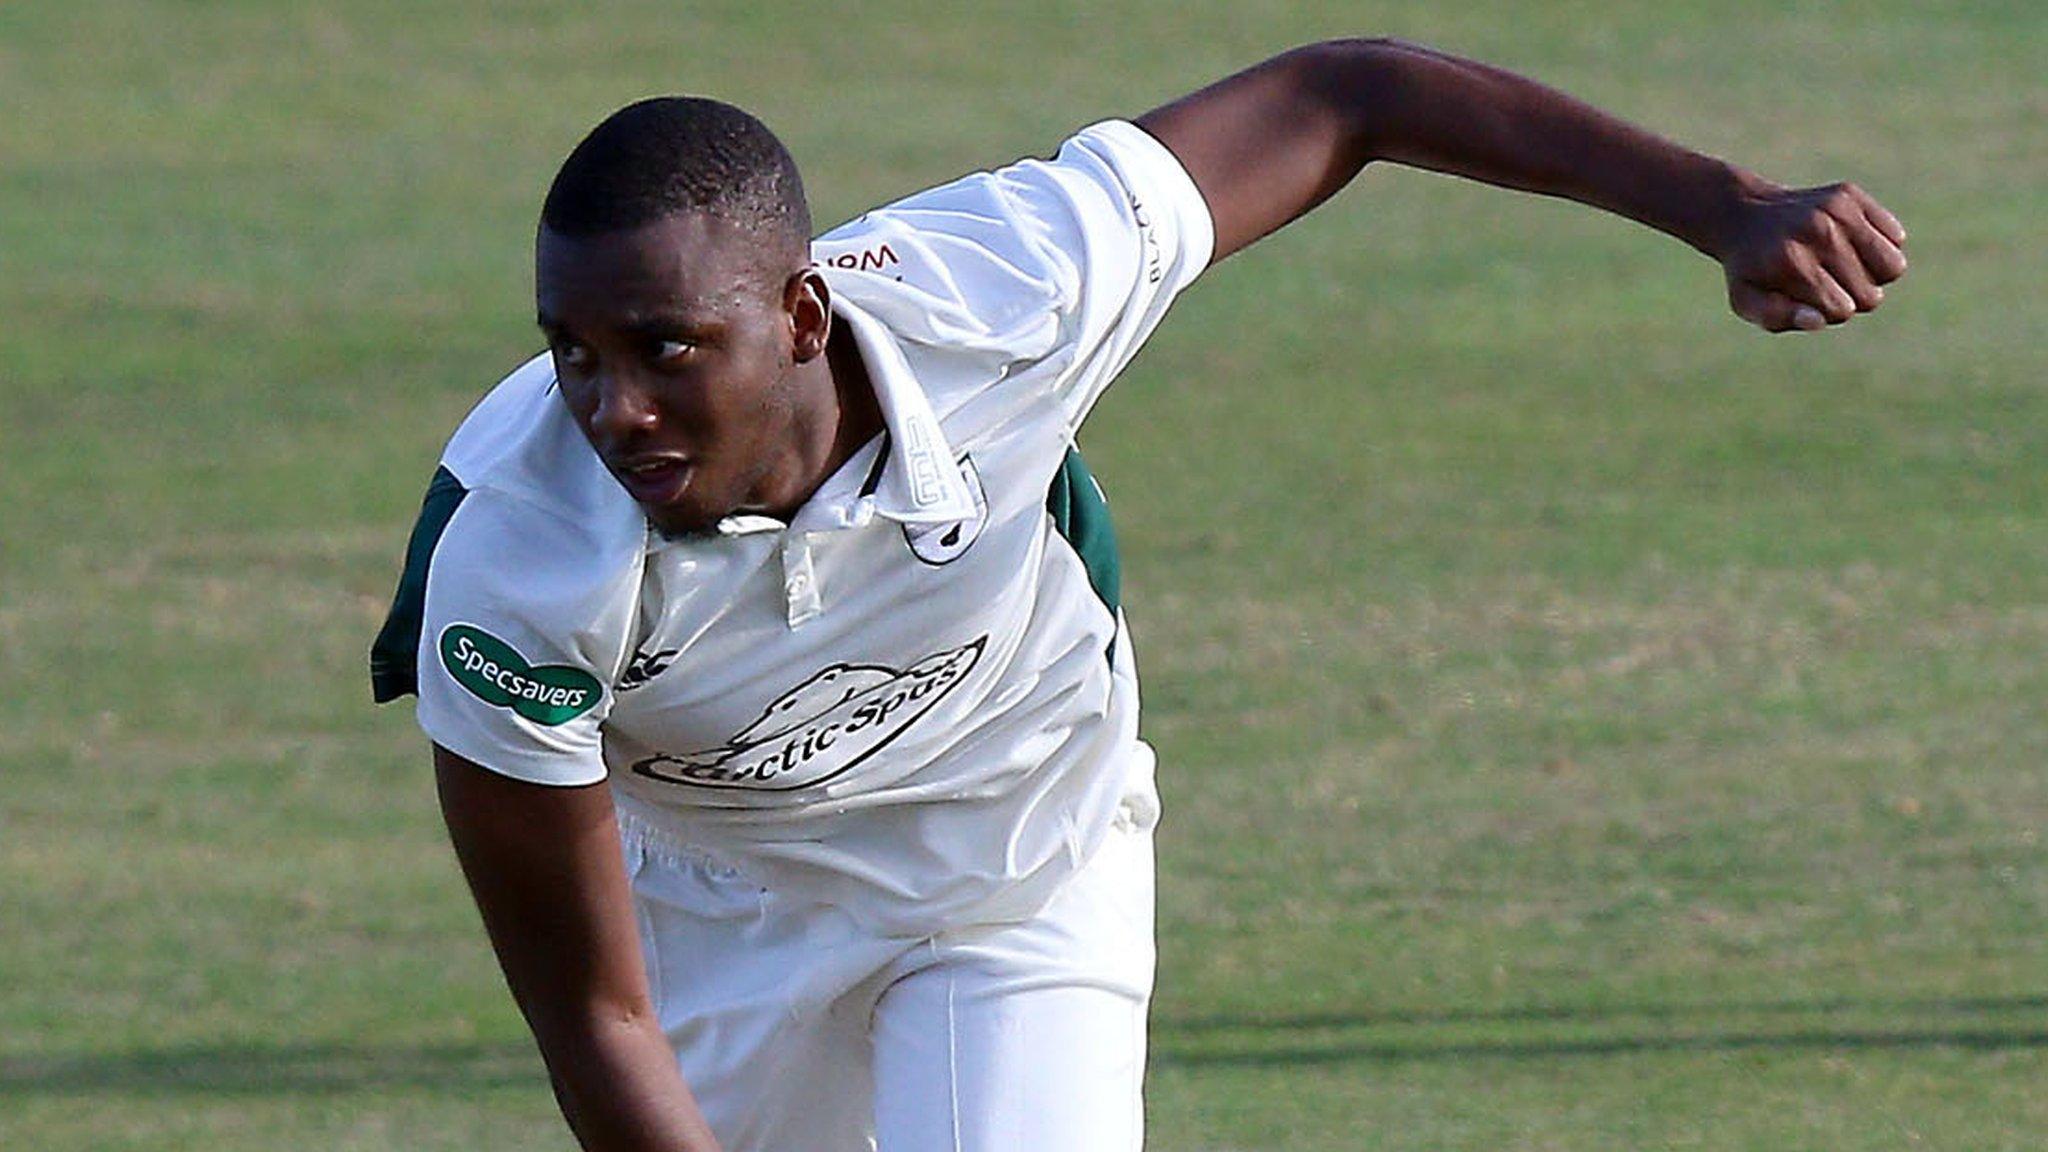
1800, 259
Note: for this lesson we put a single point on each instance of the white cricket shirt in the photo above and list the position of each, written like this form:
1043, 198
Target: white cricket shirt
913, 701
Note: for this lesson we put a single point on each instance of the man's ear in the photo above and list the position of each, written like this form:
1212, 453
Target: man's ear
808, 302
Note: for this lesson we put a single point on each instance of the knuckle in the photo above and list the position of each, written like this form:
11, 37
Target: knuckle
1818, 227
1782, 261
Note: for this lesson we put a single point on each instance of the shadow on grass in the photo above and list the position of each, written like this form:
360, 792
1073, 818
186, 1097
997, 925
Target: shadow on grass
261, 1070
1551, 1032
1523, 1033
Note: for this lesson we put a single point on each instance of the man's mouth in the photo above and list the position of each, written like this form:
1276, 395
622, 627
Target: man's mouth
654, 480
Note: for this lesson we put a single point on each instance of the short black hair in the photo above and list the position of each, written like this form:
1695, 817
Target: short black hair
669, 154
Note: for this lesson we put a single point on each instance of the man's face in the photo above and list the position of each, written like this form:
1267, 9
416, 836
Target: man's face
673, 347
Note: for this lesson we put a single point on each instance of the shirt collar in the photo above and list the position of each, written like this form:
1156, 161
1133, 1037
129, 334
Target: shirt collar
921, 480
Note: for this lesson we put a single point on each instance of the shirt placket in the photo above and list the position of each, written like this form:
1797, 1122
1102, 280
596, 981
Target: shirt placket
801, 600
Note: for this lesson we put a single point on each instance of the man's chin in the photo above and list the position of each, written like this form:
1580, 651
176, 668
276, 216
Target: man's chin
674, 525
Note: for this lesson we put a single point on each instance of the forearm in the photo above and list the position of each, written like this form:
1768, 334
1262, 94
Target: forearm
1416, 106
617, 1084
545, 866
1273, 141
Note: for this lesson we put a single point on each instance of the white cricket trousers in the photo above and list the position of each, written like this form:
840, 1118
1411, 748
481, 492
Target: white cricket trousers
798, 1031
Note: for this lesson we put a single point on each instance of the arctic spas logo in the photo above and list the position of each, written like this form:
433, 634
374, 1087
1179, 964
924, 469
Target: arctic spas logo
495, 673
824, 727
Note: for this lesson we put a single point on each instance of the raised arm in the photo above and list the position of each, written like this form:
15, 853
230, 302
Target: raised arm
1269, 143
545, 867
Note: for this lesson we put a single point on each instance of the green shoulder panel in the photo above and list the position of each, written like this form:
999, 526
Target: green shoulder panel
394, 655
1081, 515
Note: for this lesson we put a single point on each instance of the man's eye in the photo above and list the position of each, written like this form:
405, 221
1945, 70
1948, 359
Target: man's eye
571, 355
669, 351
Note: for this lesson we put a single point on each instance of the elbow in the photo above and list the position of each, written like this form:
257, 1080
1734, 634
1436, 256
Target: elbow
587, 1049
571, 1024
1362, 84
1354, 56
1348, 46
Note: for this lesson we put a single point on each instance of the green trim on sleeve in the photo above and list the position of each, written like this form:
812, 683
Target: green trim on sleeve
394, 655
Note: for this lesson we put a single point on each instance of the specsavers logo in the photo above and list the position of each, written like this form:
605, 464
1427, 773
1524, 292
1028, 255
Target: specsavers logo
495, 673
824, 727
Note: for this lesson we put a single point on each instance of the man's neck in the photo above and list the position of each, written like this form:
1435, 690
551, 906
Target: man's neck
860, 413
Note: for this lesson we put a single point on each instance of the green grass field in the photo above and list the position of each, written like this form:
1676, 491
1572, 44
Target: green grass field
1586, 723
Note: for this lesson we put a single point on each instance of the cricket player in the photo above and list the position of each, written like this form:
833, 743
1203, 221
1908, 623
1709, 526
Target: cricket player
767, 628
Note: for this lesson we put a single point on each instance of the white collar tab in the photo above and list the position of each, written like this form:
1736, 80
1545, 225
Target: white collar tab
921, 478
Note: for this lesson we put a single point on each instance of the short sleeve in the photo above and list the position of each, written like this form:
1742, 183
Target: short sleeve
1118, 203
522, 633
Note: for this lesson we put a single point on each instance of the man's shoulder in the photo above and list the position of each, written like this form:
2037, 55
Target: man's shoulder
987, 260
529, 570
537, 515
505, 425
1046, 274
520, 444
513, 533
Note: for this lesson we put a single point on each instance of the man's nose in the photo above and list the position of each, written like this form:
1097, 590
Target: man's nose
624, 407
